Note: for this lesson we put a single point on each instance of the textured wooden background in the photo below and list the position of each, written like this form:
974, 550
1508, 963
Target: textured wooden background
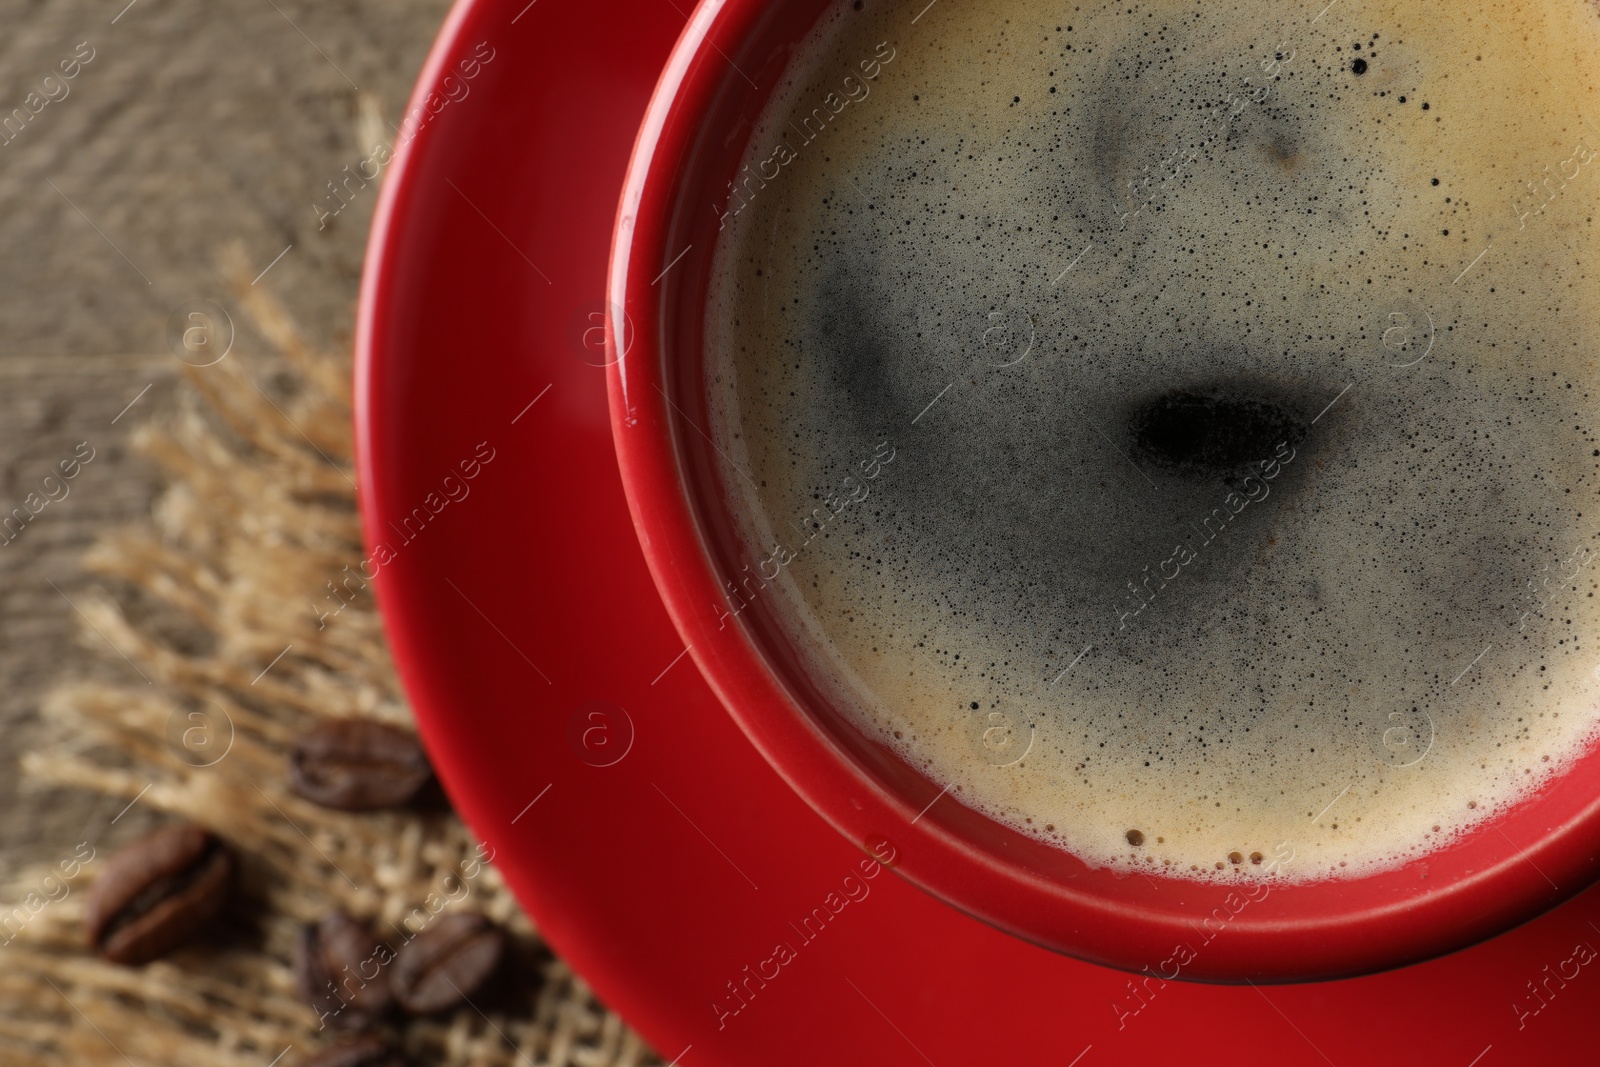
194, 124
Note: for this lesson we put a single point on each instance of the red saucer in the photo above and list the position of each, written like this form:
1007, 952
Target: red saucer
656, 850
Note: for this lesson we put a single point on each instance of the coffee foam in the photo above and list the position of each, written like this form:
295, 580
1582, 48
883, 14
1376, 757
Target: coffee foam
1241, 504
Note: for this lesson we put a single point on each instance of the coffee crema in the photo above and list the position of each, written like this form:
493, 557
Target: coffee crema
1237, 363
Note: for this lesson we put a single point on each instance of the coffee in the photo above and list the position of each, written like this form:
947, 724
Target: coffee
1166, 426
338, 972
447, 963
156, 893
357, 765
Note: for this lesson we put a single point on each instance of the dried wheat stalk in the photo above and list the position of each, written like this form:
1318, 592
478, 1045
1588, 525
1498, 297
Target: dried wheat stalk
260, 502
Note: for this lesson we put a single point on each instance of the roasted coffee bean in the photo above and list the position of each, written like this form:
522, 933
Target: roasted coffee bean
341, 971
357, 765
366, 1052
447, 962
156, 892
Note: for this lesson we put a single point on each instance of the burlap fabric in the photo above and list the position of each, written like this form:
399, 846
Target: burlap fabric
259, 502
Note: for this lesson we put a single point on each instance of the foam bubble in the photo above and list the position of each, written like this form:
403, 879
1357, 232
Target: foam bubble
1237, 372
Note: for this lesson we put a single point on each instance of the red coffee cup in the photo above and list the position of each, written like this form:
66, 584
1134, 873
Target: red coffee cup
1505, 871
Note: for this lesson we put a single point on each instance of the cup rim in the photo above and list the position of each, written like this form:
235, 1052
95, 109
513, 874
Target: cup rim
1457, 895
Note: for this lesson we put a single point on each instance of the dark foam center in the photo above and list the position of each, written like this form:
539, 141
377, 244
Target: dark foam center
1212, 432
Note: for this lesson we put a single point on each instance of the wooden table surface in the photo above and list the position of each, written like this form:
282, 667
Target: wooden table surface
189, 125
